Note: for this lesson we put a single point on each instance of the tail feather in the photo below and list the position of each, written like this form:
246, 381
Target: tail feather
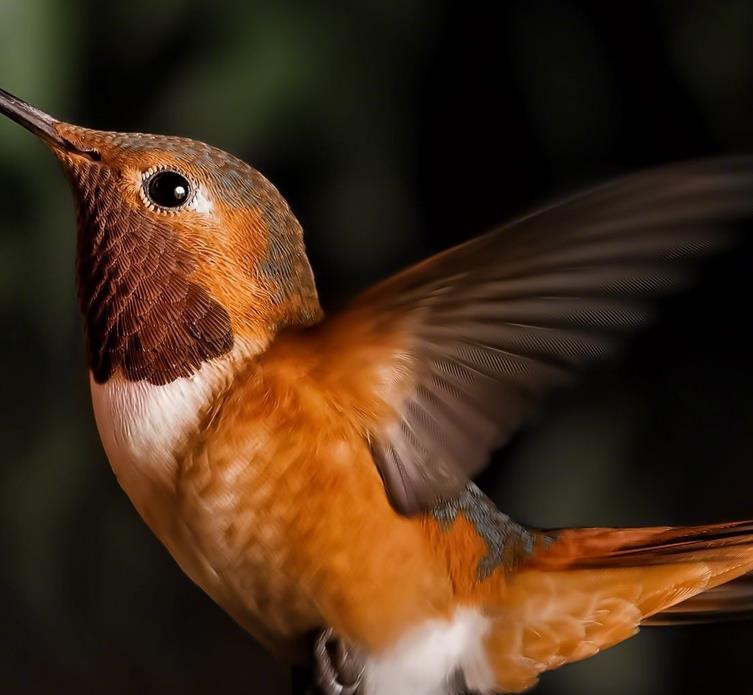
730, 601
589, 589
659, 545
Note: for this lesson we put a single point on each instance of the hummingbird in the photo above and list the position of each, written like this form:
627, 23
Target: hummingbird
314, 474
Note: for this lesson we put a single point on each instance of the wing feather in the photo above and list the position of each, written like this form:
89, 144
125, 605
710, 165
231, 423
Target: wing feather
461, 348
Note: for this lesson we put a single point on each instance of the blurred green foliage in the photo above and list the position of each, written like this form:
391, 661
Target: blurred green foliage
394, 129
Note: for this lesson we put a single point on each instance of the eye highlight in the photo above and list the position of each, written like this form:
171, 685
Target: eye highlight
167, 189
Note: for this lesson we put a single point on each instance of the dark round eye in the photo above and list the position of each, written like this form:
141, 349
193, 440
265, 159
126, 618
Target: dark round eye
168, 189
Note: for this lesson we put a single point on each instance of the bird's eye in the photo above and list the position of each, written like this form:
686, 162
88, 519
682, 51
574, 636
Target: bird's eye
168, 189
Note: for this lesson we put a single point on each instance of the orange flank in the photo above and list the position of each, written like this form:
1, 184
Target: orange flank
342, 554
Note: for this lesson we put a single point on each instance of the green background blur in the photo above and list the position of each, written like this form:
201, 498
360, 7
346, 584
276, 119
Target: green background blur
394, 129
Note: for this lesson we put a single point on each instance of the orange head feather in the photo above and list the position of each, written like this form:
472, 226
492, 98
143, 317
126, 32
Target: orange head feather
183, 249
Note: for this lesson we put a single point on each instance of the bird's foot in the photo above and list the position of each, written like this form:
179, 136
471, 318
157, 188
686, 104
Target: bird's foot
339, 668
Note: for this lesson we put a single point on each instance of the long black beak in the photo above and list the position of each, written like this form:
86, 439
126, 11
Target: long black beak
40, 123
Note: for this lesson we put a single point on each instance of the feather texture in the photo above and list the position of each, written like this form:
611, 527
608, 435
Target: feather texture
593, 588
731, 601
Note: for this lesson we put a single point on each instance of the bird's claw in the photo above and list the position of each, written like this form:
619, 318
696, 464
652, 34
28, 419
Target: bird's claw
339, 671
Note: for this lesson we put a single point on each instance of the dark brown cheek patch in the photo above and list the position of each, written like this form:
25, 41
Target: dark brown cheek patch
142, 312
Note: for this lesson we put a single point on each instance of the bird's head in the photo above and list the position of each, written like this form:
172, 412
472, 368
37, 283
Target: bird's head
183, 249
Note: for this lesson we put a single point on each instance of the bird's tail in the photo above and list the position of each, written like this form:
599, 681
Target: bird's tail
589, 589
730, 601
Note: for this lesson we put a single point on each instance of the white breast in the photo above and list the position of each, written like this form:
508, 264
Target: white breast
143, 425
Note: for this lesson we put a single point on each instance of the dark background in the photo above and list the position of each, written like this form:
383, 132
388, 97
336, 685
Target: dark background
394, 129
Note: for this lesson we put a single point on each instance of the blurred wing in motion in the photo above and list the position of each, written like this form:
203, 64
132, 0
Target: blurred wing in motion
460, 348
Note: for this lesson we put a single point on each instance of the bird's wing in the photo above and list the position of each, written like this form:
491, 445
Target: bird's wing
453, 353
